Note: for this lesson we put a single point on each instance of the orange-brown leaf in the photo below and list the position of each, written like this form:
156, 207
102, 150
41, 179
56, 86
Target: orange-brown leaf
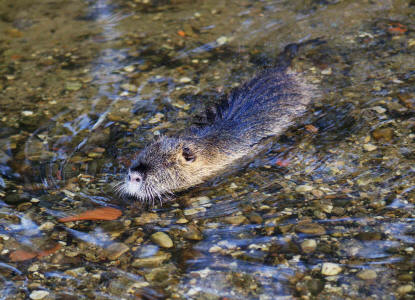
49, 251
105, 213
16, 57
282, 162
311, 128
181, 33
397, 28
22, 255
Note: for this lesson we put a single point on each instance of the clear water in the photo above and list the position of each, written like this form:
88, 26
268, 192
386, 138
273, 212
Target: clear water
84, 85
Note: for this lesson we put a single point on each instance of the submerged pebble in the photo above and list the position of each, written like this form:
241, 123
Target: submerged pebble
235, 220
73, 86
367, 275
369, 147
311, 228
115, 250
222, 40
129, 87
330, 269
152, 261
146, 218
308, 246
303, 188
193, 233
405, 289
162, 239
185, 80
47, 226
325, 213
37, 295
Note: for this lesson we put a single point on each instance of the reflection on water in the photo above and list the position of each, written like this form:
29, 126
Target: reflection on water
326, 212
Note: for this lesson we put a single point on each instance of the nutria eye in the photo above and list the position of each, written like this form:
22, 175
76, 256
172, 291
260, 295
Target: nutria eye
188, 154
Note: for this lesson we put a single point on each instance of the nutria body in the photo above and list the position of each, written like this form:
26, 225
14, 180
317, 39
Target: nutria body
264, 106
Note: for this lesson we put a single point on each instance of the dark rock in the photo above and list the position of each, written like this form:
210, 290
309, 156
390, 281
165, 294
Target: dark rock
310, 228
369, 236
383, 134
16, 199
315, 286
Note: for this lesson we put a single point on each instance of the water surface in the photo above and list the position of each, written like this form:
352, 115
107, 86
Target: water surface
328, 212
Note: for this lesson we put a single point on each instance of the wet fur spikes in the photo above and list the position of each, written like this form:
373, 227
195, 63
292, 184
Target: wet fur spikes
265, 106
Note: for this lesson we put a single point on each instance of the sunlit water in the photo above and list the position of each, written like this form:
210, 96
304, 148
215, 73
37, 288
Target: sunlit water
85, 85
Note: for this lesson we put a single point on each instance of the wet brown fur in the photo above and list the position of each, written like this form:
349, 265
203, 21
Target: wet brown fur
262, 107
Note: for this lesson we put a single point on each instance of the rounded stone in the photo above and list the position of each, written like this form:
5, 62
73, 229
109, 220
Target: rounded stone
367, 275
36, 295
115, 250
193, 233
162, 239
315, 286
369, 147
255, 218
303, 188
330, 269
385, 134
185, 80
310, 228
404, 289
182, 221
152, 261
235, 220
309, 246
146, 218
129, 69
222, 40
47, 226
129, 87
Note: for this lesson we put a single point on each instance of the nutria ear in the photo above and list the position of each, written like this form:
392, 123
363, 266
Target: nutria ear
188, 154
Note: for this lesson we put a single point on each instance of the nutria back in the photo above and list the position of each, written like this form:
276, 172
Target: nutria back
264, 106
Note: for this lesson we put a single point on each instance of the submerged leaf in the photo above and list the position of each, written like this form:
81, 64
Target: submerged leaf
22, 255
49, 251
105, 213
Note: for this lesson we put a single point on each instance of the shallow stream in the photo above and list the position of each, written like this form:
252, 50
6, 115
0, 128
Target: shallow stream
327, 213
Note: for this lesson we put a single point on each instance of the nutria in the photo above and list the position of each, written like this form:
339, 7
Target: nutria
264, 106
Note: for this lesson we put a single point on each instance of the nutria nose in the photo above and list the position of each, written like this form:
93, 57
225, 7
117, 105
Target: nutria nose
134, 177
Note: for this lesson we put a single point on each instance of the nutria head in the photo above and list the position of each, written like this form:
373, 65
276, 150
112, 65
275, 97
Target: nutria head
167, 165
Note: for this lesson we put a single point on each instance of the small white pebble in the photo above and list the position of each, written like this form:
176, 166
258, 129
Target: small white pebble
182, 221
4, 237
303, 188
129, 68
193, 291
33, 268
326, 71
27, 113
369, 147
214, 249
330, 269
222, 40
185, 80
233, 185
35, 295
47, 226
379, 109
409, 249
404, 289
